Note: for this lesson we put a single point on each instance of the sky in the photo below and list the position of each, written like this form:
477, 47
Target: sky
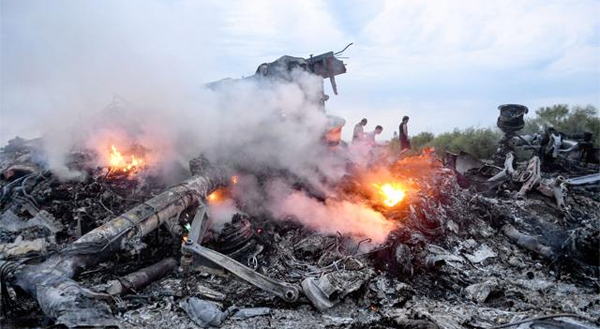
446, 64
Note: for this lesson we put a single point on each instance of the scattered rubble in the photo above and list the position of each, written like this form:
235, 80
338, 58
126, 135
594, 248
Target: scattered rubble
473, 244
460, 259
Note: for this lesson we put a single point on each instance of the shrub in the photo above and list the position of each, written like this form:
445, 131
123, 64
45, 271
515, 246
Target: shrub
481, 142
576, 119
421, 140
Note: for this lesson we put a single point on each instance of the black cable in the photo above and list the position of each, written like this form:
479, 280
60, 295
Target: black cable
367, 240
341, 51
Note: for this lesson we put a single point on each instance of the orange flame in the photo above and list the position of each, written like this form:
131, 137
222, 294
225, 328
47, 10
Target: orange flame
118, 162
392, 184
392, 193
214, 197
217, 196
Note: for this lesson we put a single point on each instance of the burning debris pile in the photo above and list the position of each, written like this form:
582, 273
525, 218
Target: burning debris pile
354, 241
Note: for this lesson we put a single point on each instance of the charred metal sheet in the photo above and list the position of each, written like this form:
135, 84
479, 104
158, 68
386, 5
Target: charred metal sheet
285, 291
583, 180
465, 162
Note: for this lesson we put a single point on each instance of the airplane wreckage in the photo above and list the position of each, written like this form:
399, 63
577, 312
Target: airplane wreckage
461, 242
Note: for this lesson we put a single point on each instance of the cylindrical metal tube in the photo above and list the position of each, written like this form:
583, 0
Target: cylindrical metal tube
528, 242
141, 278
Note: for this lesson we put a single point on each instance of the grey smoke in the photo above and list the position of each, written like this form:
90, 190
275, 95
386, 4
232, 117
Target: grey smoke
82, 54
259, 126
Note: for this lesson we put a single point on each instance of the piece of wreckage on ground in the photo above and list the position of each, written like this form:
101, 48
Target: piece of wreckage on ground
468, 245
555, 152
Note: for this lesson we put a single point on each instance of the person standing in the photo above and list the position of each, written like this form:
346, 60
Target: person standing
370, 137
404, 141
359, 131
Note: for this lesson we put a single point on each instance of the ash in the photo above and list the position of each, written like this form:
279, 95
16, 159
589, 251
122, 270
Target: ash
460, 256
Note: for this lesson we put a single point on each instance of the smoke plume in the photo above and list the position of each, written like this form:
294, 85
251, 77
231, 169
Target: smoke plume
129, 91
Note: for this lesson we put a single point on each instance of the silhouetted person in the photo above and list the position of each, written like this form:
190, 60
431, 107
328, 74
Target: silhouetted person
404, 141
359, 131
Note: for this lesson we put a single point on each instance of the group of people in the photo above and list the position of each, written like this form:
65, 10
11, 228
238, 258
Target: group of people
359, 135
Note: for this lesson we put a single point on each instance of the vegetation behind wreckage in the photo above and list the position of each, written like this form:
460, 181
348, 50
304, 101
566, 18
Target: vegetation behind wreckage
482, 142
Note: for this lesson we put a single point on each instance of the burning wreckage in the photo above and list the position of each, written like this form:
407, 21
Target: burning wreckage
423, 243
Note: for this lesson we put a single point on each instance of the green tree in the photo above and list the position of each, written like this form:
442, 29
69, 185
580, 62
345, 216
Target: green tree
582, 119
421, 140
573, 120
553, 114
482, 142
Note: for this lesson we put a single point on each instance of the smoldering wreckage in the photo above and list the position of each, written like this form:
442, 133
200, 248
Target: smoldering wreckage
438, 243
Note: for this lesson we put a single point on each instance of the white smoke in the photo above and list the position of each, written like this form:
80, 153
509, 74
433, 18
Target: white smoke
221, 213
263, 126
254, 123
332, 216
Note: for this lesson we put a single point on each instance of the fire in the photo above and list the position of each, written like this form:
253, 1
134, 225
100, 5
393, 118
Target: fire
392, 193
217, 196
119, 163
214, 197
418, 167
221, 194
391, 184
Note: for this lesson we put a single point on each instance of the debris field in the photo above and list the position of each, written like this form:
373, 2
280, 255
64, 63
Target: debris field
426, 241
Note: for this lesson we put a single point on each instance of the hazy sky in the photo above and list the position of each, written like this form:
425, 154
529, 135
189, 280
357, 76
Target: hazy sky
446, 64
